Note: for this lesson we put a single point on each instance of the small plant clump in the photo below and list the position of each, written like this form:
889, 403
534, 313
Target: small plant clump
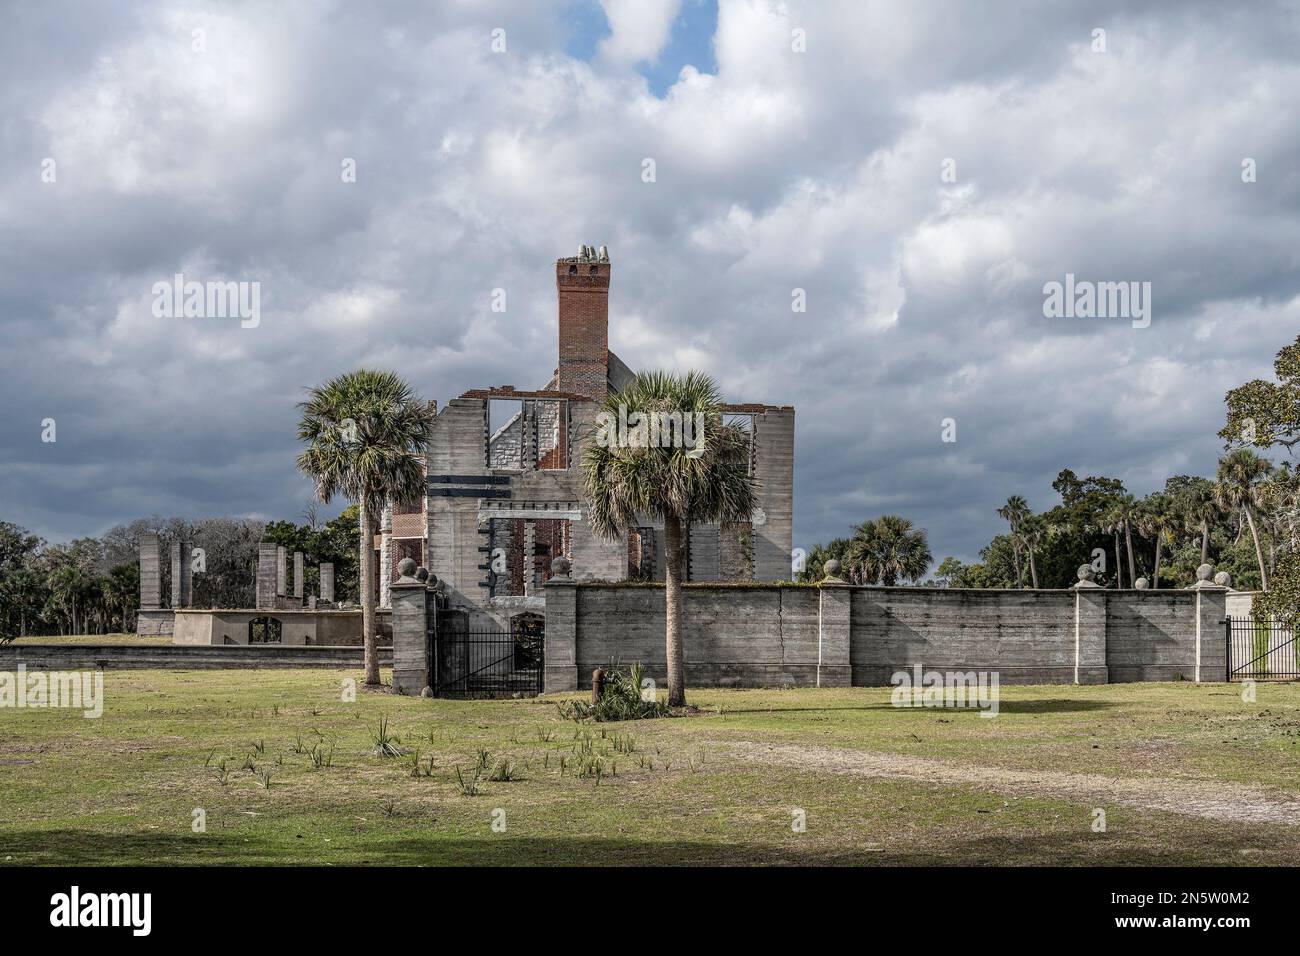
621, 700
386, 743
469, 785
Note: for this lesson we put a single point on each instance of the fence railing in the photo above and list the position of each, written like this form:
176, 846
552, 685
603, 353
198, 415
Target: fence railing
1262, 650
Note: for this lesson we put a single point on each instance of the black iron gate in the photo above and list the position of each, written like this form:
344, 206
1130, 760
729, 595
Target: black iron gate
1262, 650
484, 662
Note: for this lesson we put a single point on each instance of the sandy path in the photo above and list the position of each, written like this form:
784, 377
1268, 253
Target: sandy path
1211, 799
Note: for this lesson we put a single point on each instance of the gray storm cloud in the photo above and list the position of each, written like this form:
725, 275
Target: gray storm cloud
475, 169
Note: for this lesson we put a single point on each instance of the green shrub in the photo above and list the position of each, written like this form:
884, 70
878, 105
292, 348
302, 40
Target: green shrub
621, 700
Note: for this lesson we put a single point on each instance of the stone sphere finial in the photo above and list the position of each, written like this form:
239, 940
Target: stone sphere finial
561, 566
1205, 572
406, 567
1086, 573
422, 575
1223, 579
832, 568
1141, 584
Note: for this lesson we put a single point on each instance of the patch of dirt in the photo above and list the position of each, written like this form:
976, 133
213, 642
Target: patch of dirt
1210, 799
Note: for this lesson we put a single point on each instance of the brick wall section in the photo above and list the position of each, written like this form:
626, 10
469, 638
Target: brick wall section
267, 555
150, 572
704, 556
734, 562
836, 635
774, 475
583, 291
182, 575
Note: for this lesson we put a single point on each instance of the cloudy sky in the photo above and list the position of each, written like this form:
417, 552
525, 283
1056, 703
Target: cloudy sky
796, 146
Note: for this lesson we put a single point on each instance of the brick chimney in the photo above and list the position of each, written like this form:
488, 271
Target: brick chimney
582, 282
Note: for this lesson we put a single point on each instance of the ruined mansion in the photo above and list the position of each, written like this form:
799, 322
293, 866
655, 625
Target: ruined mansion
504, 495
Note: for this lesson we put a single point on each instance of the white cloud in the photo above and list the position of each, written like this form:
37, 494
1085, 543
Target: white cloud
818, 170
639, 29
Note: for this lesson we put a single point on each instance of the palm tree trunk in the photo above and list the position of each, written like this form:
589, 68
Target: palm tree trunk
673, 611
1033, 568
366, 562
1015, 550
1155, 582
1205, 542
1259, 552
1119, 565
1128, 541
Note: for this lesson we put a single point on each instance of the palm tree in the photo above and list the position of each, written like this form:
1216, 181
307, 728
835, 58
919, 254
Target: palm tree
1157, 518
1237, 488
67, 584
1112, 525
709, 483
1123, 514
815, 561
121, 589
1033, 532
1013, 512
365, 432
888, 548
1198, 510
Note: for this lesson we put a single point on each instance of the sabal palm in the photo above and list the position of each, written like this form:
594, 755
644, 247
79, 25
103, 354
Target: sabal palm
1236, 488
1013, 512
815, 562
887, 549
1033, 532
67, 583
1158, 519
1123, 514
365, 432
1198, 509
710, 483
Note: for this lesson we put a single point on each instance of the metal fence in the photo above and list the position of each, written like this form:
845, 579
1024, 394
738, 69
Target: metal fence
484, 663
1262, 650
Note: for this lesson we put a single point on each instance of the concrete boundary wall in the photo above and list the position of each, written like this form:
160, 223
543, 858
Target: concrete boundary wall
116, 656
835, 635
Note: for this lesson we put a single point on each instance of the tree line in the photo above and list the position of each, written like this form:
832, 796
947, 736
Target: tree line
1245, 519
92, 585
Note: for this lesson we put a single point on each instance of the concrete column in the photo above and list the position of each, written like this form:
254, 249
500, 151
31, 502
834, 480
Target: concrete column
298, 568
833, 626
327, 582
181, 580
281, 571
530, 557
1211, 641
386, 558
1090, 636
150, 573
410, 643
266, 559
561, 672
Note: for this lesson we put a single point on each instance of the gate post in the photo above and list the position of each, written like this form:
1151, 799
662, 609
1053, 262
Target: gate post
560, 653
834, 627
1211, 609
410, 649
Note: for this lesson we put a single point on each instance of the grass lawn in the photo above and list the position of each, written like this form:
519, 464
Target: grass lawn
1185, 774
94, 639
